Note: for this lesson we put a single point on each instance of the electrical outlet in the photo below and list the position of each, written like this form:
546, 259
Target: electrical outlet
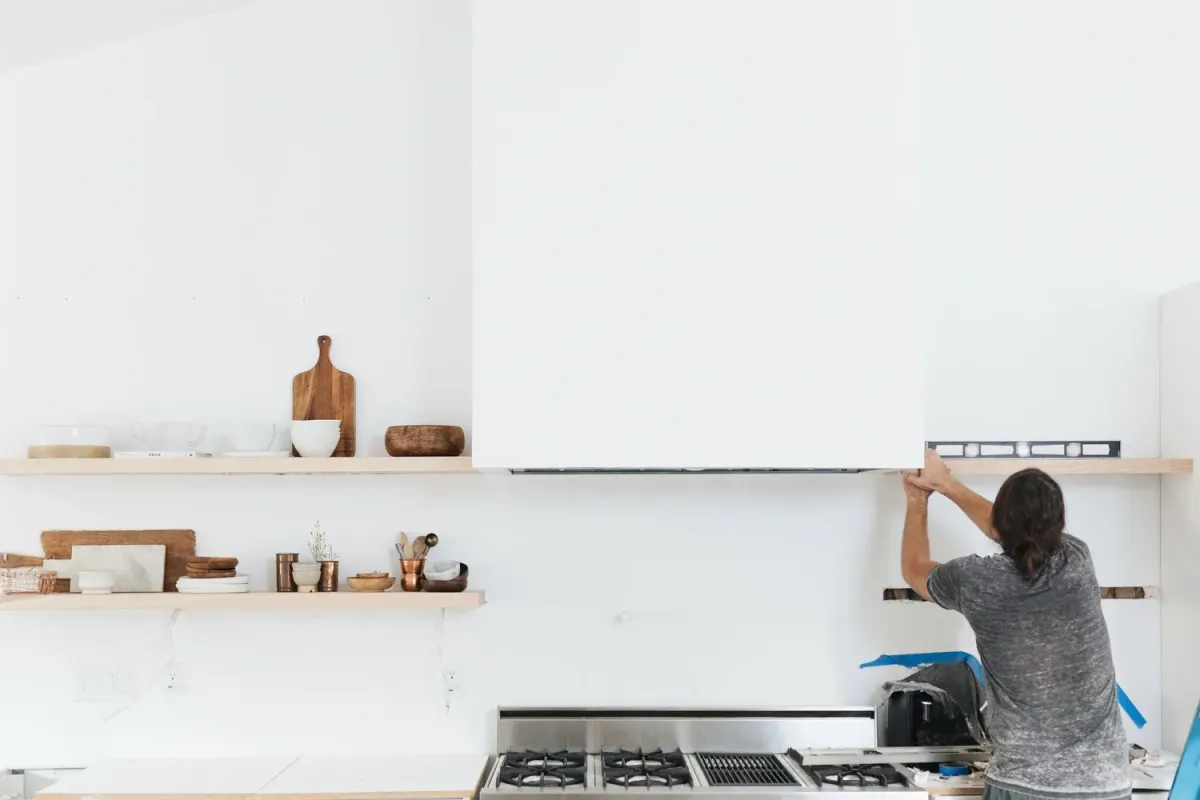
177, 679
450, 678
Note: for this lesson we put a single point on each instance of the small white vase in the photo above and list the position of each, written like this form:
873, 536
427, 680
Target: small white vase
306, 575
95, 582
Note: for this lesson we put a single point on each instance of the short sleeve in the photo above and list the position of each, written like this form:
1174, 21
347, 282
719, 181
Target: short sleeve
948, 582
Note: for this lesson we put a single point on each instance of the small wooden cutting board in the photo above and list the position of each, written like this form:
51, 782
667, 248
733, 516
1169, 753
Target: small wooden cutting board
325, 392
181, 546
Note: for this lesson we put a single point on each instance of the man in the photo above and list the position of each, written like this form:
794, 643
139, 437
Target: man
1052, 707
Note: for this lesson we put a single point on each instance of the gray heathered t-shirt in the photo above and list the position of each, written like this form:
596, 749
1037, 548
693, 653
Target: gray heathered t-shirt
1051, 689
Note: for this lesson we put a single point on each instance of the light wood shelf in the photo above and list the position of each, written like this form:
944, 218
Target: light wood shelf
237, 466
344, 600
1072, 466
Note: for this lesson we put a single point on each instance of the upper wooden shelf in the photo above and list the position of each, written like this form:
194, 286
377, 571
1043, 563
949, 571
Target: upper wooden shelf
236, 466
344, 600
1072, 466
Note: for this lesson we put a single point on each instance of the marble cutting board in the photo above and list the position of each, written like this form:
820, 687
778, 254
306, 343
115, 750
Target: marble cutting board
135, 567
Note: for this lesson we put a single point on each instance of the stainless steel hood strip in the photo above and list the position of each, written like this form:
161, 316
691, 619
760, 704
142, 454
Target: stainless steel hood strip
595, 731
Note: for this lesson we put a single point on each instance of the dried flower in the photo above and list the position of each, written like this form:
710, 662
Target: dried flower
319, 546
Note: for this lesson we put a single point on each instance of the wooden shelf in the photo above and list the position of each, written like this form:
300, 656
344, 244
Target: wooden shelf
1072, 466
236, 466
344, 600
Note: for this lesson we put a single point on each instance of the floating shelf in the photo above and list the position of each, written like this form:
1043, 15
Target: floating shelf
237, 466
1072, 466
254, 601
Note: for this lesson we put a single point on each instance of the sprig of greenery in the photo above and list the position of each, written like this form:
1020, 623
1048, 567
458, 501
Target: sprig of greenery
319, 546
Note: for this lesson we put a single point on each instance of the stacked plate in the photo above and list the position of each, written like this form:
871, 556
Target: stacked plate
239, 584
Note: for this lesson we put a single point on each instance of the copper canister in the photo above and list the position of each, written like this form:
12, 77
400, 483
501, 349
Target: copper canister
412, 574
329, 577
283, 571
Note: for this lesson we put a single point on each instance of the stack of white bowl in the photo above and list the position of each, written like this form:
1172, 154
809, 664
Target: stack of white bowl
239, 584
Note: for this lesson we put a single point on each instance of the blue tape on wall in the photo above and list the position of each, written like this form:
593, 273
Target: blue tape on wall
918, 660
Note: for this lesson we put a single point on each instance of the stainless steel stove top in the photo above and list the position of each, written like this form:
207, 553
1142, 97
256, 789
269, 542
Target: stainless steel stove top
688, 754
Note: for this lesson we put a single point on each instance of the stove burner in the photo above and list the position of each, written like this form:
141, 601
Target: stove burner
857, 776
542, 769
646, 776
638, 769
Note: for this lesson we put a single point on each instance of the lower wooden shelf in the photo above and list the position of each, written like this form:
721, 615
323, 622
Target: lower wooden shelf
1072, 466
253, 601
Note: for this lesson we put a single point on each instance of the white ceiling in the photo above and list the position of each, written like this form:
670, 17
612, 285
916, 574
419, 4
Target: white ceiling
32, 31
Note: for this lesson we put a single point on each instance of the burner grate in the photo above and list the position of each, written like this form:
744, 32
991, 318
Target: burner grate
857, 776
744, 769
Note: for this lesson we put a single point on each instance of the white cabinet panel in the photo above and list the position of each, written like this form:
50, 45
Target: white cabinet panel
692, 235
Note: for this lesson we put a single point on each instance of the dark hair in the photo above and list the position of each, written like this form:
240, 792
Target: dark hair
1029, 517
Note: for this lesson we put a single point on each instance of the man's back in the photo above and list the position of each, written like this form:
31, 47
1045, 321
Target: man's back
1052, 690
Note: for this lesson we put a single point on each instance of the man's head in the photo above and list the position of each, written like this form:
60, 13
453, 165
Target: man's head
1029, 518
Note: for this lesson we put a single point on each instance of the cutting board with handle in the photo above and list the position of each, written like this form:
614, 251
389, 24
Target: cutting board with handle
325, 392
10, 560
181, 546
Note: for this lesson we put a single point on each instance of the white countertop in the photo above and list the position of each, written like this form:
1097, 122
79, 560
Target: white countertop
304, 778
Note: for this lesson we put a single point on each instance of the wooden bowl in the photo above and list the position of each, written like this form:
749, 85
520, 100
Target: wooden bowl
425, 440
459, 584
370, 584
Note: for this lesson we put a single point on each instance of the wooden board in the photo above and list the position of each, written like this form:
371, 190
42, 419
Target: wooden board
461, 465
181, 546
9, 560
325, 392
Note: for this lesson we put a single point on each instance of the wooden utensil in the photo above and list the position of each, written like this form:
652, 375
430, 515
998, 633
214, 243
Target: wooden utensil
181, 546
420, 548
424, 440
325, 392
404, 551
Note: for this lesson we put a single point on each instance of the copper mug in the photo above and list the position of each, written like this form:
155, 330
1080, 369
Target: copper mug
412, 574
329, 577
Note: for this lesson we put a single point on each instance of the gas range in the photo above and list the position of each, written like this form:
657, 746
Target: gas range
688, 754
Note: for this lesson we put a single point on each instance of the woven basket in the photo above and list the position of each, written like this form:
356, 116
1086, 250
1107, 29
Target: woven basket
27, 580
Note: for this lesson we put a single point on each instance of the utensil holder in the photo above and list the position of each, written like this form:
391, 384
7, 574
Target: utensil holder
329, 577
412, 574
283, 571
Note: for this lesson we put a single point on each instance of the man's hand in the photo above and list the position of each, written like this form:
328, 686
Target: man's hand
914, 491
935, 476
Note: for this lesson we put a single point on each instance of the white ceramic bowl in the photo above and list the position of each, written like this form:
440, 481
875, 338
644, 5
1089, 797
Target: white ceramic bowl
316, 438
254, 438
50, 435
168, 435
95, 582
442, 570
305, 573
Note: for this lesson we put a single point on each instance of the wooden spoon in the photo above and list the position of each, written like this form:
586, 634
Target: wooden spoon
404, 547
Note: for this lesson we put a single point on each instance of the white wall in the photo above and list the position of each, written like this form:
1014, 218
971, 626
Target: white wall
1180, 534
182, 215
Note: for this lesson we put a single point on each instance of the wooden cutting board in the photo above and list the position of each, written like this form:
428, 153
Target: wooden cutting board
8, 560
325, 392
181, 546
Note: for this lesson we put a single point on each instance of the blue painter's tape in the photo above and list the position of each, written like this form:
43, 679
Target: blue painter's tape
917, 660
1129, 708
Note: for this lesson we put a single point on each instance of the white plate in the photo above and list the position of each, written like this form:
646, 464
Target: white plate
228, 588
263, 454
234, 581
